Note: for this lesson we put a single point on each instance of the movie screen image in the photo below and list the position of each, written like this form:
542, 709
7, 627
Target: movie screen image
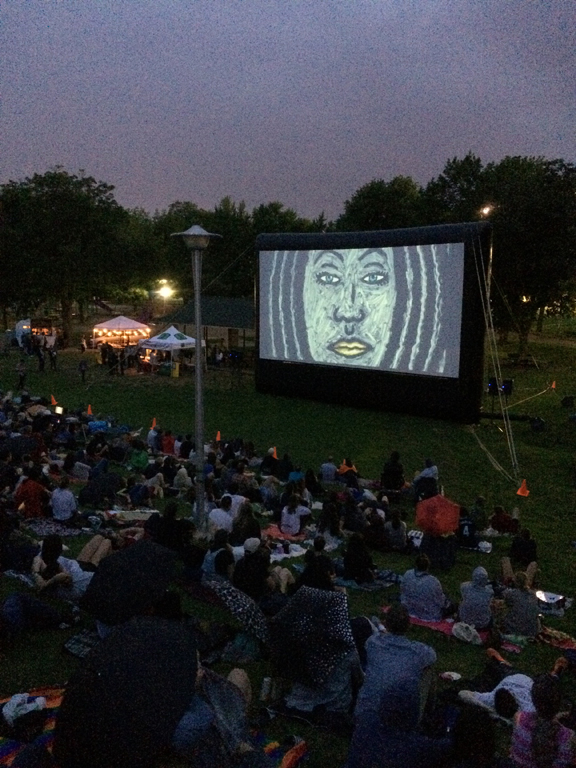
396, 309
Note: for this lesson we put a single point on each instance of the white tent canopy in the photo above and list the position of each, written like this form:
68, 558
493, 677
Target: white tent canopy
121, 323
169, 340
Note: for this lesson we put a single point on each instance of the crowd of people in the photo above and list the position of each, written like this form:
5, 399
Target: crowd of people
351, 673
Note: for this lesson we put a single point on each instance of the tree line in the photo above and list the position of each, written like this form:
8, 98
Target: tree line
64, 237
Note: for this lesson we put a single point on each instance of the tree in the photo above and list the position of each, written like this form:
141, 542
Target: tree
229, 268
61, 239
382, 205
457, 194
533, 212
534, 222
273, 217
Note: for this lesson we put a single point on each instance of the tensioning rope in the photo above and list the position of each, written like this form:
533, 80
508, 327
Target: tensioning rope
484, 287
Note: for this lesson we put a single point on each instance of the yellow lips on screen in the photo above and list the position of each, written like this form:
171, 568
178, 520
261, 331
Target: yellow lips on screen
350, 349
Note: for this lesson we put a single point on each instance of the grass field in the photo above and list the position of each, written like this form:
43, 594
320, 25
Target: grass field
310, 431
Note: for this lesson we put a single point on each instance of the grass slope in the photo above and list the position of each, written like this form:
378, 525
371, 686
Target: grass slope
309, 431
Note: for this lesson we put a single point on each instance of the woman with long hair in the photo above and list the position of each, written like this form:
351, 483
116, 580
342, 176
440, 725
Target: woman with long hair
538, 739
245, 526
293, 515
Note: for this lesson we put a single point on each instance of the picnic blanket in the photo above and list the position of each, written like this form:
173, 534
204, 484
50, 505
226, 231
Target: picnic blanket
130, 516
282, 756
370, 586
9, 748
556, 638
275, 533
445, 627
42, 528
295, 551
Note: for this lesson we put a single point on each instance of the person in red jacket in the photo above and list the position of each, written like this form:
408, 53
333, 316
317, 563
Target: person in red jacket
168, 441
32, 495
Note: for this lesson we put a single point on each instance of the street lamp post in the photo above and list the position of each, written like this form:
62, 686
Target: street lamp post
197, 240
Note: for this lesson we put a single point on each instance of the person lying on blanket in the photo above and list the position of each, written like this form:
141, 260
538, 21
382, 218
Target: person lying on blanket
514, 691
62, 575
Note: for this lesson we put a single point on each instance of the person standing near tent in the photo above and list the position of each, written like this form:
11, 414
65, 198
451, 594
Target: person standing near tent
21, 371
83, 367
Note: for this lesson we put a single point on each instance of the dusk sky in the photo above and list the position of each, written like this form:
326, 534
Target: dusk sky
290, 100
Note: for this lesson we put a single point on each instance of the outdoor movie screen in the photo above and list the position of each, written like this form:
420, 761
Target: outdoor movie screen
396, 309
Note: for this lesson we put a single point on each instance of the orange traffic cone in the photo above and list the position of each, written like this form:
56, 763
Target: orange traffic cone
89, 411
53, 400
218, 438
153, 423
523, 491
553, 385
275, 455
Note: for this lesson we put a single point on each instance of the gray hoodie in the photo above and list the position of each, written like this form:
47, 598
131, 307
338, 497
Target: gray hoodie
476, 598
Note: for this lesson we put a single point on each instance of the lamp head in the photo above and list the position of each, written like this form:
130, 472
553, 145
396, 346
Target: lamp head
196, 238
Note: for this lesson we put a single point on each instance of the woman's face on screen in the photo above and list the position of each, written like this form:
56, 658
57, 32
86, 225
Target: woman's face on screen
349, 298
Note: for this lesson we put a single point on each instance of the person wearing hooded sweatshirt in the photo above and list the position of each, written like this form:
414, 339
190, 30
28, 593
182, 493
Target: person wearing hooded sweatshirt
477, 595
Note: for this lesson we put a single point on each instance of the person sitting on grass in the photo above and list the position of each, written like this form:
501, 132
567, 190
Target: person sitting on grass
318, 574
347, 473
354, 519
219, 561
389, 737
523, 550
245, 526
328, 523
167, 529
312, 483
478, 513
319, 571
503, 522
538, 739
522, 617
395, 530
32, 496
251, 571
477, 596
392, 477
221, 517
312, 645
425, 483
293, 516
466, 533
397, 680
358, 563
138, 457
182, 480
422, 593
375, 533
64, 505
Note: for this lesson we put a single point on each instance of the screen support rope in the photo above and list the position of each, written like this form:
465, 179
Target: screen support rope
484, 286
